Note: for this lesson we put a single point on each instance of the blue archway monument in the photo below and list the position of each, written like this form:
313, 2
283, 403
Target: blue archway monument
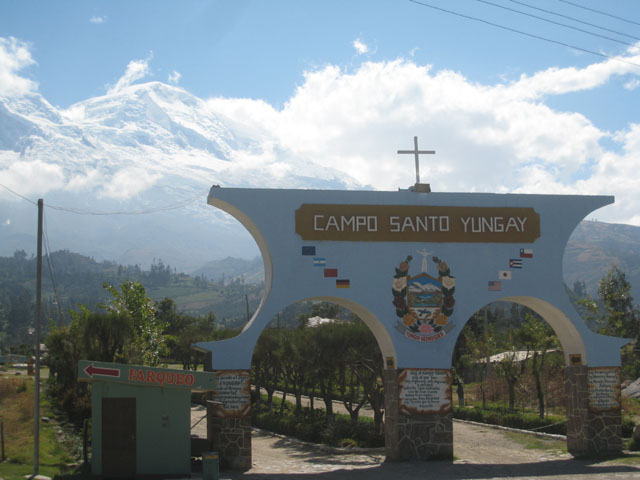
415, 266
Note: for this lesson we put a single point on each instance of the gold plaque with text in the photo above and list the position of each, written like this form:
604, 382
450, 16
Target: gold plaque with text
402, 223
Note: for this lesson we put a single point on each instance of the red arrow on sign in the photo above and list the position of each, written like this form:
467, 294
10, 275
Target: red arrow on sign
106, 372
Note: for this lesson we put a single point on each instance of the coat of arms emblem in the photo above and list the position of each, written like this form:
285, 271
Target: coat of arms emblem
424, 302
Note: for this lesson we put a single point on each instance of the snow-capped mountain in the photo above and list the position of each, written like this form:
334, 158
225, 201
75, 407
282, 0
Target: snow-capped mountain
147, 146
416, 287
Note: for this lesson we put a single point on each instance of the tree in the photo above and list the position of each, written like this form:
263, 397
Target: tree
327, 349
295, 362
368, 366
511, 367
480, 341
620, 318
539, 337
462, 361
354, 353
104, 335
131, 300
266, 363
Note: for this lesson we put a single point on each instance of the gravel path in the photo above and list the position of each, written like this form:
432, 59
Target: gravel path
481, 453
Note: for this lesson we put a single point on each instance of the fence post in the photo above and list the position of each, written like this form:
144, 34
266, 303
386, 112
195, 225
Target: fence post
85, 441
2, 459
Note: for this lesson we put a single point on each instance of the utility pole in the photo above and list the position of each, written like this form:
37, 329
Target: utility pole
36, 408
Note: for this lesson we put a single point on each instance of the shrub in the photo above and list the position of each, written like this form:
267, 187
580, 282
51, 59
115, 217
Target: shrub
311, 425
627, 427
523, 421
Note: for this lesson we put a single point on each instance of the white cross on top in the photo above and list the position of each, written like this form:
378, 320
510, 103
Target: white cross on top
417, 152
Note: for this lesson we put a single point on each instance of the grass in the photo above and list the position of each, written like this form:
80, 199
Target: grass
632, 458
537, 443
16, 414
631, 407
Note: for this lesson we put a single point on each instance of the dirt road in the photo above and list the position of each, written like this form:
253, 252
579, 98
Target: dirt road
480, 453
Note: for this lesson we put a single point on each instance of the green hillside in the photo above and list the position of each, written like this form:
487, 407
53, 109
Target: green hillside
594, 247
79, 280
224, 286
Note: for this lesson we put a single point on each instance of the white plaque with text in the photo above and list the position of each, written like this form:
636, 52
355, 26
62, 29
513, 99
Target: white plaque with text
424, 391
233, 391
604, 388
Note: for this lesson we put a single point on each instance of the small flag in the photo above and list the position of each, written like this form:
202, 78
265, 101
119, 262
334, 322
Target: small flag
526, 253
504, 275
308, 250
343, 283
495, 286
515, 263
330, 272
319, 262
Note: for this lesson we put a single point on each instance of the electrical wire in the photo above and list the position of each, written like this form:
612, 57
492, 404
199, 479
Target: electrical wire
175, 206
18, 195
557, 23
600, 12
79, 211
87, 212
51, 269
538, 37
574, 19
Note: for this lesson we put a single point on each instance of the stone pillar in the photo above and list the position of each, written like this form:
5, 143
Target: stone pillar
229, 419
594, 425
418, 415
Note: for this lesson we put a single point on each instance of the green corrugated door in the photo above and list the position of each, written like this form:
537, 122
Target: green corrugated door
119, 436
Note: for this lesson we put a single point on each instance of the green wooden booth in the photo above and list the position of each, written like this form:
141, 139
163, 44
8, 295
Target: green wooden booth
141, 418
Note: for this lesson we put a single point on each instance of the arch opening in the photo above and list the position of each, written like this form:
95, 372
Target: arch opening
511, 356
569, 336
321, 354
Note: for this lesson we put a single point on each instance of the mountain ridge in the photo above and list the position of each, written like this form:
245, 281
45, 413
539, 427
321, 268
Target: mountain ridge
153, 146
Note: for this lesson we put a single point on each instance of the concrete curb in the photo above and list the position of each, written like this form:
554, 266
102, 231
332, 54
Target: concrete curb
325, 448
517, 430
381, 450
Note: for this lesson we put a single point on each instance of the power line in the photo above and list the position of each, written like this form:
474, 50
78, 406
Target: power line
600, 12
175, 206
575, 19
79, 211
18, 195
538, 37
51, 270
555, 23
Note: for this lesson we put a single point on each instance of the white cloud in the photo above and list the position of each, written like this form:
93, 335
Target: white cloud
488, 137
556, 81
128, 182
98, 19
632, 84
32, 177
14, 57
136, 70
86, 180
360, 46
174, 77
492, 137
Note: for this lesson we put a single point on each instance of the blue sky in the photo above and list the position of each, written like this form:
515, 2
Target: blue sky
473, 91
260, 49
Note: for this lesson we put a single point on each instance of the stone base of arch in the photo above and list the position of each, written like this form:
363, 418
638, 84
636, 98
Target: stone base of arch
414, 437
594, 425
229, 419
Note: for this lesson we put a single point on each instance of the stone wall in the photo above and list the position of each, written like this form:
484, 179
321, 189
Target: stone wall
229, 420
414, 436
591, 429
